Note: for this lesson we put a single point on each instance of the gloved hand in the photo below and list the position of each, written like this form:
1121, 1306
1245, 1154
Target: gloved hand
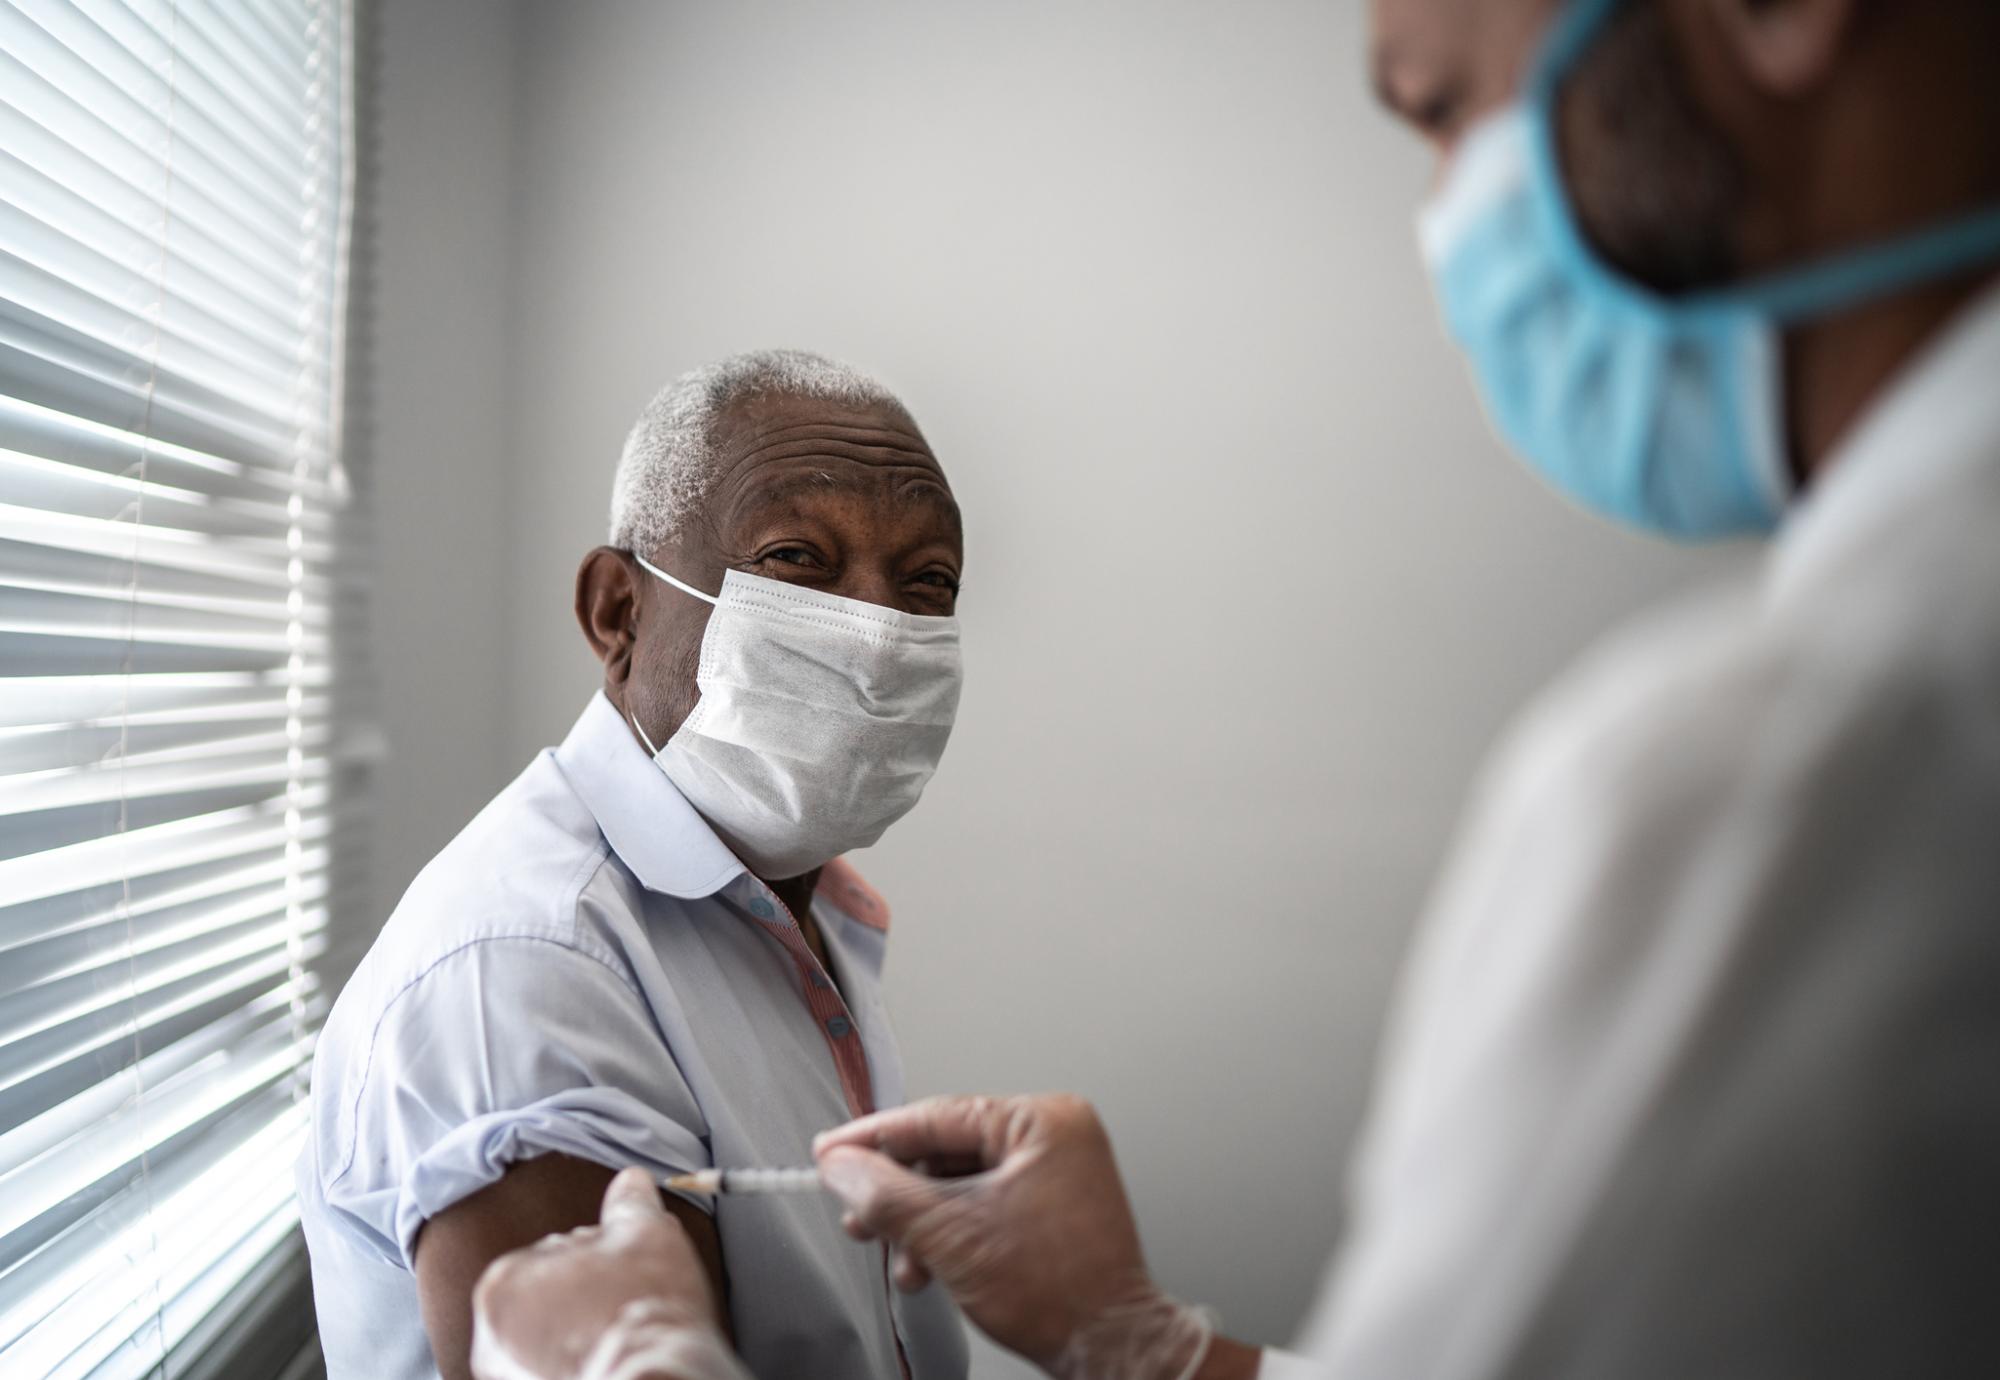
1035, 1242
627, 1299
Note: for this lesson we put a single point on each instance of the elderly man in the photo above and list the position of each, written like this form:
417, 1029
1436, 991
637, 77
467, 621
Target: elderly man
1693, 1074
646, 951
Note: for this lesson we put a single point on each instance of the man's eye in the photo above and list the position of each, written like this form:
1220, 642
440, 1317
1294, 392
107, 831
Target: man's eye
790, 555
940, 579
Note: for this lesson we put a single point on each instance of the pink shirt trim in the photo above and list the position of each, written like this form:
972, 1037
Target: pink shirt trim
844, 887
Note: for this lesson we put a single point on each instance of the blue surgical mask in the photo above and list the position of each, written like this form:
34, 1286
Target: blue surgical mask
1666, 413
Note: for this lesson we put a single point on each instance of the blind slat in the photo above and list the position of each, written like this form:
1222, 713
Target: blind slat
112, 303
213, 143
105, 381
241, 607
201, 1027
156, 1133
282, 23
94, 1276
257, 57
50, 485
149, 903
40, 966
27, 701
174, 48
48, 219
217, 779
129, 361
176, 757
141, 853
43, 1279
32, 752
263, 556
139, 147
55, 1025
101, 613
76, 441
136, 196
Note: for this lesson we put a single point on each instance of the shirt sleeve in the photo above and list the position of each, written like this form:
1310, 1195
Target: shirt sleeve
504, 1050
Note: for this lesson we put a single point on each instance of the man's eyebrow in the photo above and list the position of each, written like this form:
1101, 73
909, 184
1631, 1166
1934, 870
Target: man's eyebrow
931, 491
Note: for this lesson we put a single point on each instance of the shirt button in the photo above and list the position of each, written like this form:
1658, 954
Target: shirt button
821, 980
761, 908
838, 1027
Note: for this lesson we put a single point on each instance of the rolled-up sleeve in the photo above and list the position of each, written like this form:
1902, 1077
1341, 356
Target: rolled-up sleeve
501, 1051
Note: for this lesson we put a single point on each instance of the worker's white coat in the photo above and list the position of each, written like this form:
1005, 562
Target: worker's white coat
1696, 1071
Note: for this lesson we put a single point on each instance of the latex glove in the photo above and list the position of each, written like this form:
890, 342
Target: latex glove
1036, 1242
627, 1299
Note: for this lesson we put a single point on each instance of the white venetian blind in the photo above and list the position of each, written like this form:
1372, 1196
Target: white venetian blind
174, 179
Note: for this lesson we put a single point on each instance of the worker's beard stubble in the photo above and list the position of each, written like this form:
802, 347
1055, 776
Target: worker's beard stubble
1656, 186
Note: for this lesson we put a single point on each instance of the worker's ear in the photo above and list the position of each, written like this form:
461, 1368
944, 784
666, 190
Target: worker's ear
607, 608
1784, 47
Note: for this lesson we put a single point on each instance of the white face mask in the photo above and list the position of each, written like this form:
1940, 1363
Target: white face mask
820, 720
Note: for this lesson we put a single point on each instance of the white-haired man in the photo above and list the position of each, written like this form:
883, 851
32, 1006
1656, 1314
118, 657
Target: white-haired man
646, 951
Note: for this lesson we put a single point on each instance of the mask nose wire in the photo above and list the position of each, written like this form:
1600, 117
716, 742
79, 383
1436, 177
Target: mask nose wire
680, 585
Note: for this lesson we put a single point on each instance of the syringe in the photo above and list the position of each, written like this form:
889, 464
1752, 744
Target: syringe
734, 1181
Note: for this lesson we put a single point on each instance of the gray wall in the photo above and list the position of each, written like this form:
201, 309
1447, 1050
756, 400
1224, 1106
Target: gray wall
1249, 589
438, 434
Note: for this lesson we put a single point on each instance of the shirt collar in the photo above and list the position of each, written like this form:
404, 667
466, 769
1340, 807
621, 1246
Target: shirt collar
648, 823
1939, 420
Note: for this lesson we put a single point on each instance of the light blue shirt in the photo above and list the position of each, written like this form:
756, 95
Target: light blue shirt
588, 969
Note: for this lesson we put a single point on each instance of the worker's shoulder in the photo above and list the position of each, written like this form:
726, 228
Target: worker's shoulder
1893, 669
1916, 607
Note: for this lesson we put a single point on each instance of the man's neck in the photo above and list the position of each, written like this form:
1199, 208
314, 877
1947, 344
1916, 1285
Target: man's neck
797, 894
1837, 369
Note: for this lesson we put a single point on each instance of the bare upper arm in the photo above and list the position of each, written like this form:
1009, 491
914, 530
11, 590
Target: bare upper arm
534, 1198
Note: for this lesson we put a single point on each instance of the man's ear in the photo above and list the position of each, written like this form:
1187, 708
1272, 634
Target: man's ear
607, 593
1786, 47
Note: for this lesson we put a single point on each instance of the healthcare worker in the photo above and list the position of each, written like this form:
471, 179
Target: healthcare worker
1696, 1071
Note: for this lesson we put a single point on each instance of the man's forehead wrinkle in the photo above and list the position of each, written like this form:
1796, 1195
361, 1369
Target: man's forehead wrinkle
793, 445
839, 440
828, 424
833, 448
925, 486
772, 416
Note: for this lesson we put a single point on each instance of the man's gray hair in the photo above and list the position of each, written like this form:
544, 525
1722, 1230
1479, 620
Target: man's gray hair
669, 465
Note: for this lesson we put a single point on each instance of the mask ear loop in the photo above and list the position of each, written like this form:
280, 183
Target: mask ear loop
643, 737
685, 589
677, 584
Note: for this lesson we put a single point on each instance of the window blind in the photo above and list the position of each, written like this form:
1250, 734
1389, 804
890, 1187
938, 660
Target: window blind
174, 186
